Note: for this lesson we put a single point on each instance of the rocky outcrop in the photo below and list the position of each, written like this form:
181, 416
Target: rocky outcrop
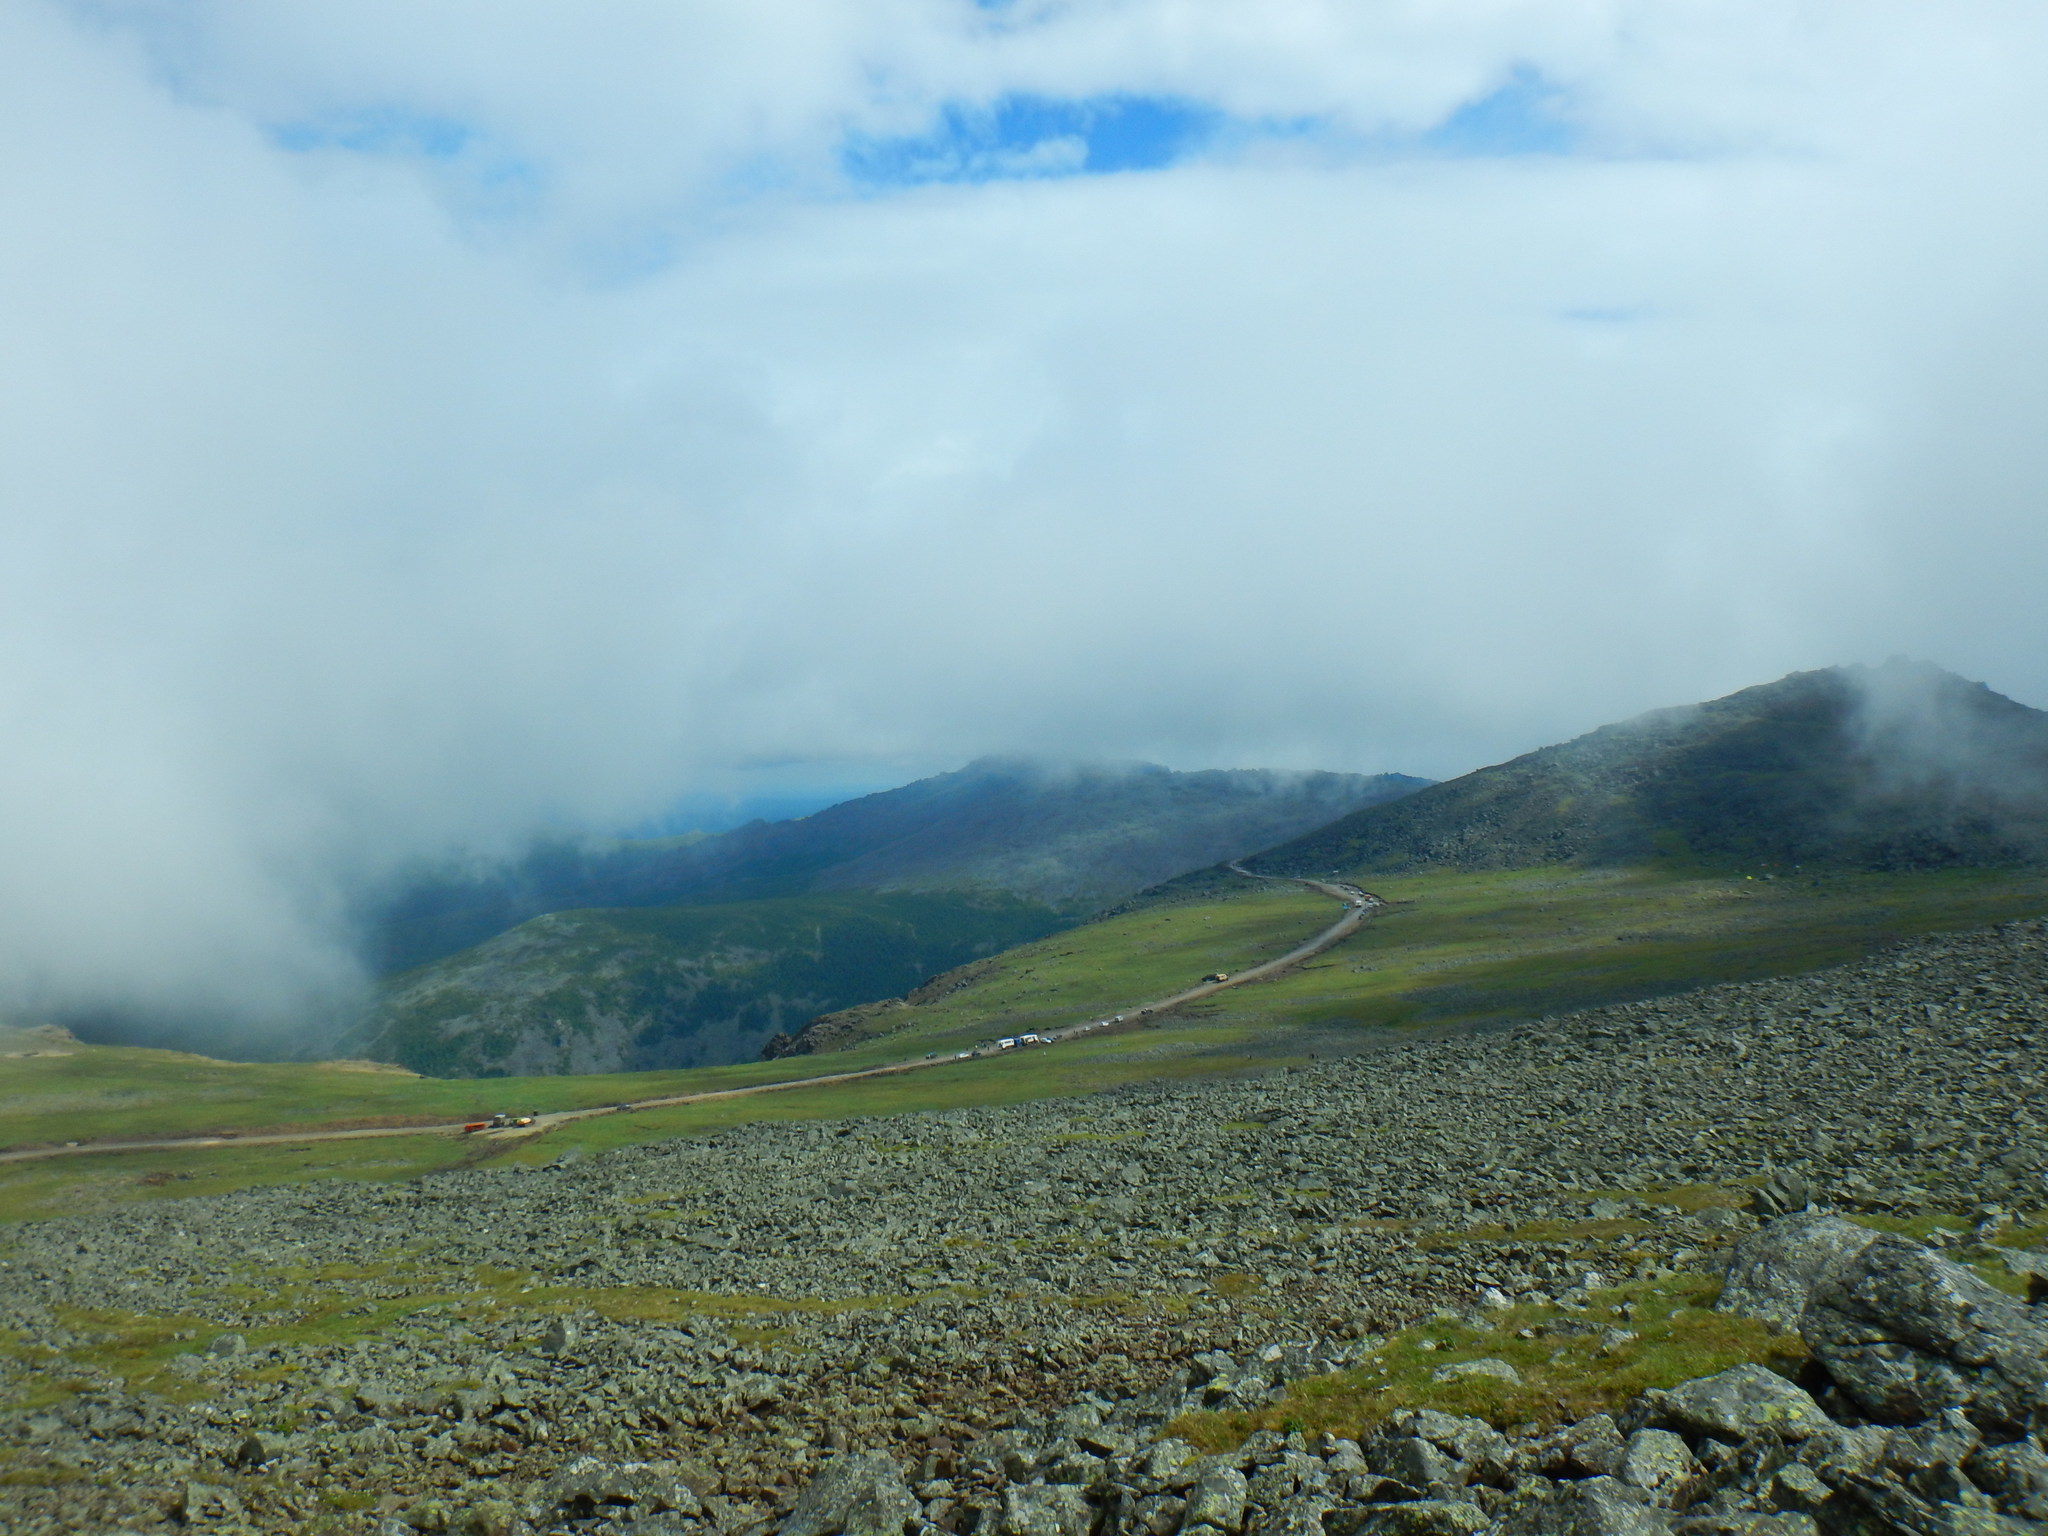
732, 1310
1903, 1332
1740, 1453
848, 1026
1902, 766
1774, 1271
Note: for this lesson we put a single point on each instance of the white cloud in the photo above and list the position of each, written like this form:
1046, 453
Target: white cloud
555, 428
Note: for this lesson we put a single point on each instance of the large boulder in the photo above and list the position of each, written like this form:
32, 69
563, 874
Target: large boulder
1046, 1509
588, 1487
853, 1496
1659, 1465
1218, 1500
1420, 1447
1774, 1268
1907, 1333
1744, 1402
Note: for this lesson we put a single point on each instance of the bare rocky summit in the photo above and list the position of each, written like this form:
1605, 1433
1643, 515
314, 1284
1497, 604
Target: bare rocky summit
988, 1320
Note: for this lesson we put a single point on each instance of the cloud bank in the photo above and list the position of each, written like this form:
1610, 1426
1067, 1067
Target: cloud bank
421, 423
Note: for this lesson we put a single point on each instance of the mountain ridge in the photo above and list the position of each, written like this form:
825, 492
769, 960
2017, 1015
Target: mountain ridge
855, 903
1074, 837
1903, 766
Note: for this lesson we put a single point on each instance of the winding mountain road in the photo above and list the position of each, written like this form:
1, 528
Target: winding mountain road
1360, 906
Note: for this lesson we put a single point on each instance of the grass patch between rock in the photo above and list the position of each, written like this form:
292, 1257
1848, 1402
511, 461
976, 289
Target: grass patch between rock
1566, 1370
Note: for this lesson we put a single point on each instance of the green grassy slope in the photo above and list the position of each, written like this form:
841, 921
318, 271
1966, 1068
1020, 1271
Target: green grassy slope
669, 987
1461, 948
1455, 950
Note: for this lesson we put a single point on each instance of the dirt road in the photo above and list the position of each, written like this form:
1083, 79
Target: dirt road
1359, 908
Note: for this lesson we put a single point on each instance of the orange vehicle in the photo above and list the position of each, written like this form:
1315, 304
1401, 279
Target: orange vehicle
476, 1125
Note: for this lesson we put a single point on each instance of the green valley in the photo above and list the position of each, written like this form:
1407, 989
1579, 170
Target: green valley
1455, 950
637, 988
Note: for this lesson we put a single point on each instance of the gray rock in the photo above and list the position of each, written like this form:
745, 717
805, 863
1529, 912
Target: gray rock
587, 1485
1299, 1515
1907, 1333
1412, 1461
1774, 1268
1593, 1447
1835, 1452
228, 1344
1738, 1404
1898, 1509
1499, 1370
1048, 1509
1480, 1450
856, 1495
492, 1517
1158, 1515
1783, 1193
1218, 1499
1599, 1506
1166, 1463
1425, 1517
1659, 1463
1796, 1488
2015, 1475
1746, 1523
1946, 1440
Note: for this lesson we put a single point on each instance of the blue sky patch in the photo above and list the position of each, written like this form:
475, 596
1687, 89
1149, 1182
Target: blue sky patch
1035, 136
1026, 136
1524, 117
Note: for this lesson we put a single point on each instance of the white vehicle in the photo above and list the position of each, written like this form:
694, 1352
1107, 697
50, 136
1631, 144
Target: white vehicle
1008, 1044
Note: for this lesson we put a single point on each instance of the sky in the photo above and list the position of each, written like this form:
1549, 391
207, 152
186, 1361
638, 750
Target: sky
423, 423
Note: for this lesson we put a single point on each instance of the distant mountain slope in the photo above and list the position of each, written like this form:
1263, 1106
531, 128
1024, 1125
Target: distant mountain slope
638, 989
1071, 837
1903, 766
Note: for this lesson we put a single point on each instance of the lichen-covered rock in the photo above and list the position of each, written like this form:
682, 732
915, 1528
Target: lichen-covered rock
854, 1496
1218, 1499
1835, 1451
1785, 1191
1298, 1514
1797, 1489
1499, 1370
1593, 1447
1599, 1506
1750, 1523
1466, 1450
587, 1486
1413, 1462
1046, 1509
1425, 1517
1896, 1508
1738, 1404
2015, 1475
1907, 1333
1774, 1268
1659, 1464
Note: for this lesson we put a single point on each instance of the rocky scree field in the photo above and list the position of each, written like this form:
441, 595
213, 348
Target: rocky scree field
1391, 1294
